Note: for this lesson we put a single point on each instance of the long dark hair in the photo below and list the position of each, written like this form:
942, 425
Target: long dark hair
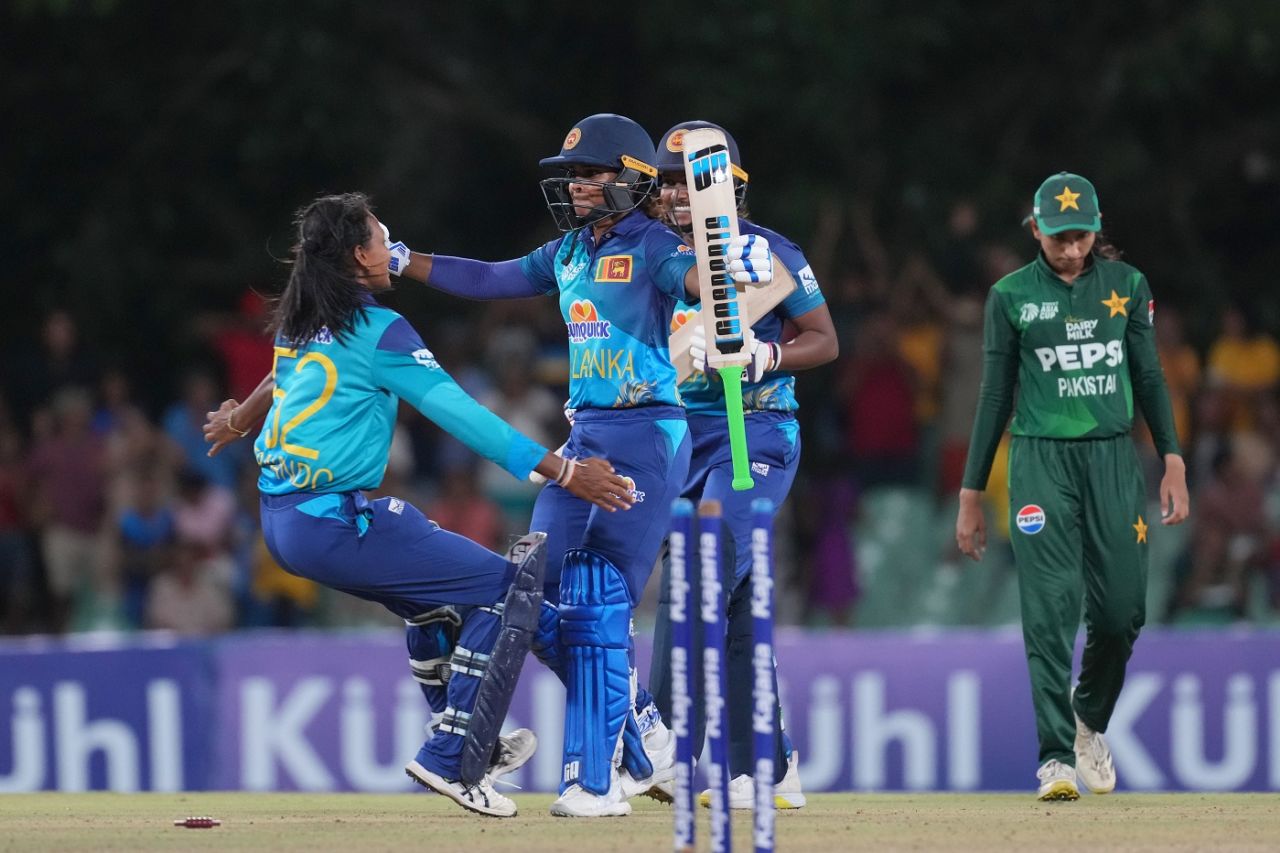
1105, 249
322, 291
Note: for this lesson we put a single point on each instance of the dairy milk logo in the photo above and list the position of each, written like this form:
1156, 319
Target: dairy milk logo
585, 323
1081, 330
1030, 519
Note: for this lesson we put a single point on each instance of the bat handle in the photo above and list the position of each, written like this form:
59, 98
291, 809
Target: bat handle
731, 377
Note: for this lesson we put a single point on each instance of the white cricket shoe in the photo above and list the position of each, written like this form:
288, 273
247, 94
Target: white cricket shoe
513, 751
480, 798
1093, 760
577, 801
787, 794
660, 747
1057, 781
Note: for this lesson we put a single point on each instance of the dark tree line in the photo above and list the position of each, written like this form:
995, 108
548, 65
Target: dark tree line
154, 151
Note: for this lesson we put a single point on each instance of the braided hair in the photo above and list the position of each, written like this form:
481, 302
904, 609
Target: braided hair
322, 291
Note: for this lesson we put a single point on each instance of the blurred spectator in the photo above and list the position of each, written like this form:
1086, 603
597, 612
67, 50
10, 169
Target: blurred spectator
202, 519
60, 362
1231, 535
529, 407
141, 540
241, 341
283, 600
1181, 365
68, 495
879, 406
1245, 362
184, 425
187, 597
833, 577
17, 562
961, 379
958, 258
463, 509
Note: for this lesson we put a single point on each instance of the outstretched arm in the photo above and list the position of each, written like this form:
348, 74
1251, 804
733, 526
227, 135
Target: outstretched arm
461, 276
233, 421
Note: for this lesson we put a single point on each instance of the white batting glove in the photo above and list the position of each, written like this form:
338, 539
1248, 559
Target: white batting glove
535, 477
399, 253
765, 355
750, 260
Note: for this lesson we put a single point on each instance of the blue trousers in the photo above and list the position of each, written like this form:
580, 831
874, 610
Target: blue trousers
773, 444
650, 445
389, 552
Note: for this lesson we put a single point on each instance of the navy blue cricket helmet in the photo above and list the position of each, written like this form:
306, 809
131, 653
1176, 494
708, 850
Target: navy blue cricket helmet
609, 141
670, 157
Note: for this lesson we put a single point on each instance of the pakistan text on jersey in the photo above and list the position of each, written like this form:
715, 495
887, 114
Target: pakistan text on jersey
603, 364
1087, 386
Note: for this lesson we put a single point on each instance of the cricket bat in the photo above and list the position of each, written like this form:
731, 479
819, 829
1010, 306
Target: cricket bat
713, 208
760, 301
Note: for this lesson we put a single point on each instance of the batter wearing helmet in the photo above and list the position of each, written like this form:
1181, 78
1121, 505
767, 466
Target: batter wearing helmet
618, 273
798, 334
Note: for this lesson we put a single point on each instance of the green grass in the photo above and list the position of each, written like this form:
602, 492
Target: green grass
360, 823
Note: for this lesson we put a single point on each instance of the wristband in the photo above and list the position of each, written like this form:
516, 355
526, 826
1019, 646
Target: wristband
232, 426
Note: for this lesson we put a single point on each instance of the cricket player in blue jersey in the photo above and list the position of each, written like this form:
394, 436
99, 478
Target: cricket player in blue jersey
618, 274
342, 363
798, 334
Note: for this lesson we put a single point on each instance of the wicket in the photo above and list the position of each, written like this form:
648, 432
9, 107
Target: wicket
711, 610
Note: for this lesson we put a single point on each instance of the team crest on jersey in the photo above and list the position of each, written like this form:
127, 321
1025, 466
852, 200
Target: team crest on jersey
571, 139
681, 316
585, 323
1030, 519
426, 359
615, 269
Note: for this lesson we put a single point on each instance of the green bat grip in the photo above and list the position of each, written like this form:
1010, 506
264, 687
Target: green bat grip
731, 376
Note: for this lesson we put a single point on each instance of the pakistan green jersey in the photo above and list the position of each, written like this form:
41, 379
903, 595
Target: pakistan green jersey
1079, 355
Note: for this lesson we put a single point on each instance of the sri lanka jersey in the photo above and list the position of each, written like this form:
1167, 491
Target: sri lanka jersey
334, 409
616, 297
703, 394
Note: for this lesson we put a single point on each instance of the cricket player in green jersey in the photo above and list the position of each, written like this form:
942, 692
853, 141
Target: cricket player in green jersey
1073, 332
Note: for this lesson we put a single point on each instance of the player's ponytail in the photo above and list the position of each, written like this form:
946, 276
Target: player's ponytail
1105, 249
322, 291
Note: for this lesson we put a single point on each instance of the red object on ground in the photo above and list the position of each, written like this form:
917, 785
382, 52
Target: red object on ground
198, 822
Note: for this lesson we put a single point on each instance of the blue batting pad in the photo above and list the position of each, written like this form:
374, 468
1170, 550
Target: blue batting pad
595, 628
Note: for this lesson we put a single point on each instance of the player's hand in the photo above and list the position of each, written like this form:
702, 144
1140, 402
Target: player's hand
1175, 503
218, 429
971, 525
595, 480
765, 355
399, 253
750, 259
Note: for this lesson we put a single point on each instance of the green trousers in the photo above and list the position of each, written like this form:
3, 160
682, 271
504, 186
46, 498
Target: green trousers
1076, 520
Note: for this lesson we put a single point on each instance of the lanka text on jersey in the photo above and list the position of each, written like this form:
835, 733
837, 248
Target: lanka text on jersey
616, 297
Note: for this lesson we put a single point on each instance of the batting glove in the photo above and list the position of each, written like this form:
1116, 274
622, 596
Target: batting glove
399, 253
765, 355
750, 260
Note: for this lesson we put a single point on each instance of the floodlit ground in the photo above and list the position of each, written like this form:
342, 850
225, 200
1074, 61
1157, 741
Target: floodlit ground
364, 823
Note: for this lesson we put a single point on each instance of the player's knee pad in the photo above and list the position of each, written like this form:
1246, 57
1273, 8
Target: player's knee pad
547, 646
430, 638
595, 627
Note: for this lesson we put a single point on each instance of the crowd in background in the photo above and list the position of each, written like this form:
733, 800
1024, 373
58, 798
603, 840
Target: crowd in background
113, 516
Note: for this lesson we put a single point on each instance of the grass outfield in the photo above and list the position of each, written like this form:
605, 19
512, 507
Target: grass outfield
361, 823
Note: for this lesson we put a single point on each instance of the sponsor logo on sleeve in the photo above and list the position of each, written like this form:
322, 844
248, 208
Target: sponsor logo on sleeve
1151, 312
614, 269
426, 359
1030, 519
808, 280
